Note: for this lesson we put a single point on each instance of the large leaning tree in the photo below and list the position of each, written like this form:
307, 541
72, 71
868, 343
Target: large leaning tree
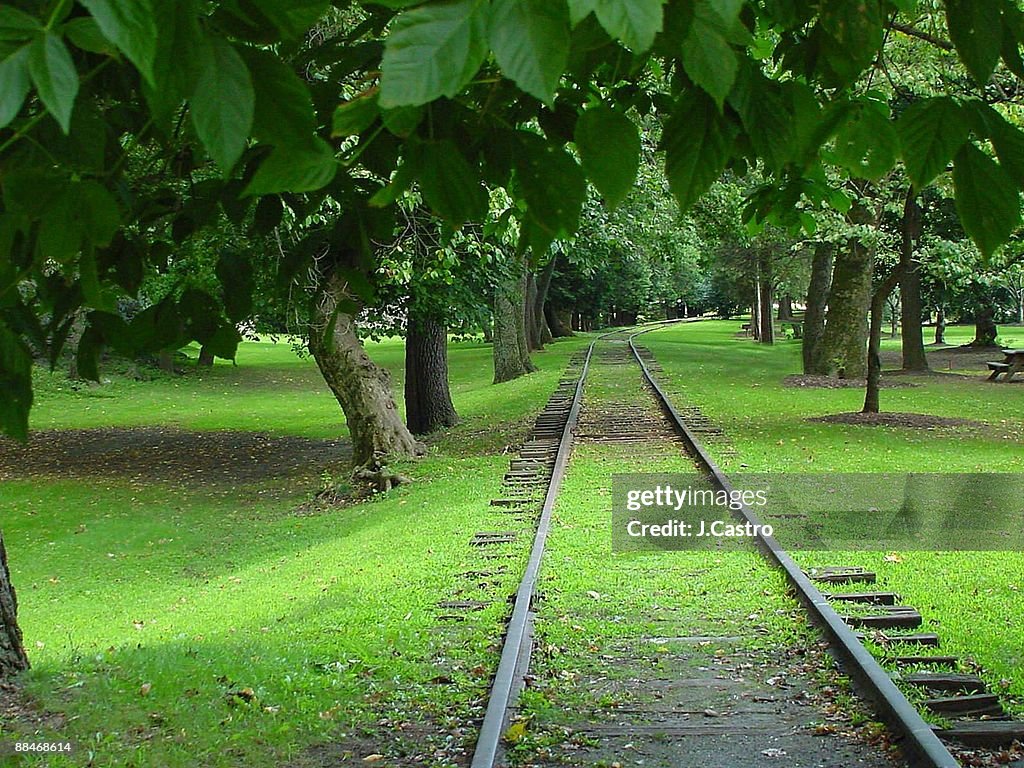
114, 113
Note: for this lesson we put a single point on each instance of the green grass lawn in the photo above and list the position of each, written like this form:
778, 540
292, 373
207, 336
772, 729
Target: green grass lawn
186, 622
974, 600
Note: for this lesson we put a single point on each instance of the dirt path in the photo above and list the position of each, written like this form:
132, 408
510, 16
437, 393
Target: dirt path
161, 454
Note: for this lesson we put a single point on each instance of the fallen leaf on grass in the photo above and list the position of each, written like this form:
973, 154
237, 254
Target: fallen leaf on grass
516, 732
145, 689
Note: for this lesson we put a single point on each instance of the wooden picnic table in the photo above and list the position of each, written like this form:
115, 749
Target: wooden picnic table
1013, 362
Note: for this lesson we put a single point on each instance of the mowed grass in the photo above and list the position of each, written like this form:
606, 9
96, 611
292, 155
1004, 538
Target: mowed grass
183, 623
973, 599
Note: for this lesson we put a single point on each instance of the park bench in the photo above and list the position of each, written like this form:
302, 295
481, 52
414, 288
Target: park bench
1013, 363
747, 328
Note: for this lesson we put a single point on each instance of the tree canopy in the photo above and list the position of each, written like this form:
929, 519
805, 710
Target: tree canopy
128, 127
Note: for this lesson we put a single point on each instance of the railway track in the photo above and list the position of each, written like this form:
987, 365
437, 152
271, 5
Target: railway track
542, 467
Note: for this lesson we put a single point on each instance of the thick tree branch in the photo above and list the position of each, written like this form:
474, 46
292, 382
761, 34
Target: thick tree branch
910, 31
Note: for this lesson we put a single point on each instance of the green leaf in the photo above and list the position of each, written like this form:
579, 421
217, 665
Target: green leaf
295, 169
866, 144
698, 143
530, 39
354, 117
634, 22
223, 103
1008, 142
101, 216
930, 133
433, 50
403, 120
86, 35
55, 77
177, 63
771, 126
976, 29
986, 199
130, 25
855, 34
293, 18
283, 114
401, 181
15, 385
451, 187
707, 56
17, 25
609, 146
552, 184
234, 271
14, 84
580, 9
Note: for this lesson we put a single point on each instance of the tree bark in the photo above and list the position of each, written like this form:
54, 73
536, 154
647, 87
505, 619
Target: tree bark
511, 353
361, 387
814, 317
559, 321
533, 341
755, 312
765, 300
537, 316
165, 360
205, 357
844, 343
914, 358
874, 373
428, 400
12, 650
785, 307
985, 330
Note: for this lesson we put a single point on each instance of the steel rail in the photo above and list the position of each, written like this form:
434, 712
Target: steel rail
515, 651
920, 744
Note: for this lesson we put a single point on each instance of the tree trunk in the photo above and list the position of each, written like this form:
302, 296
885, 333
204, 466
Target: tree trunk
940, 325
785, 307
755, 312
428, 401
205, 357
874, 373
521, 332
765, 300
531, 328
844, 344
165, 360
814, 317
985, 330
511, 355
12, 649
559, 321
362, 388
488, 330
537, 316
914, 358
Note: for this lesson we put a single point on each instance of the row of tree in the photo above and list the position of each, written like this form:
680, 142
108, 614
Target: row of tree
302, 161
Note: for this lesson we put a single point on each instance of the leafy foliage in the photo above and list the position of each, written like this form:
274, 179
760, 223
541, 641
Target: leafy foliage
129, 128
